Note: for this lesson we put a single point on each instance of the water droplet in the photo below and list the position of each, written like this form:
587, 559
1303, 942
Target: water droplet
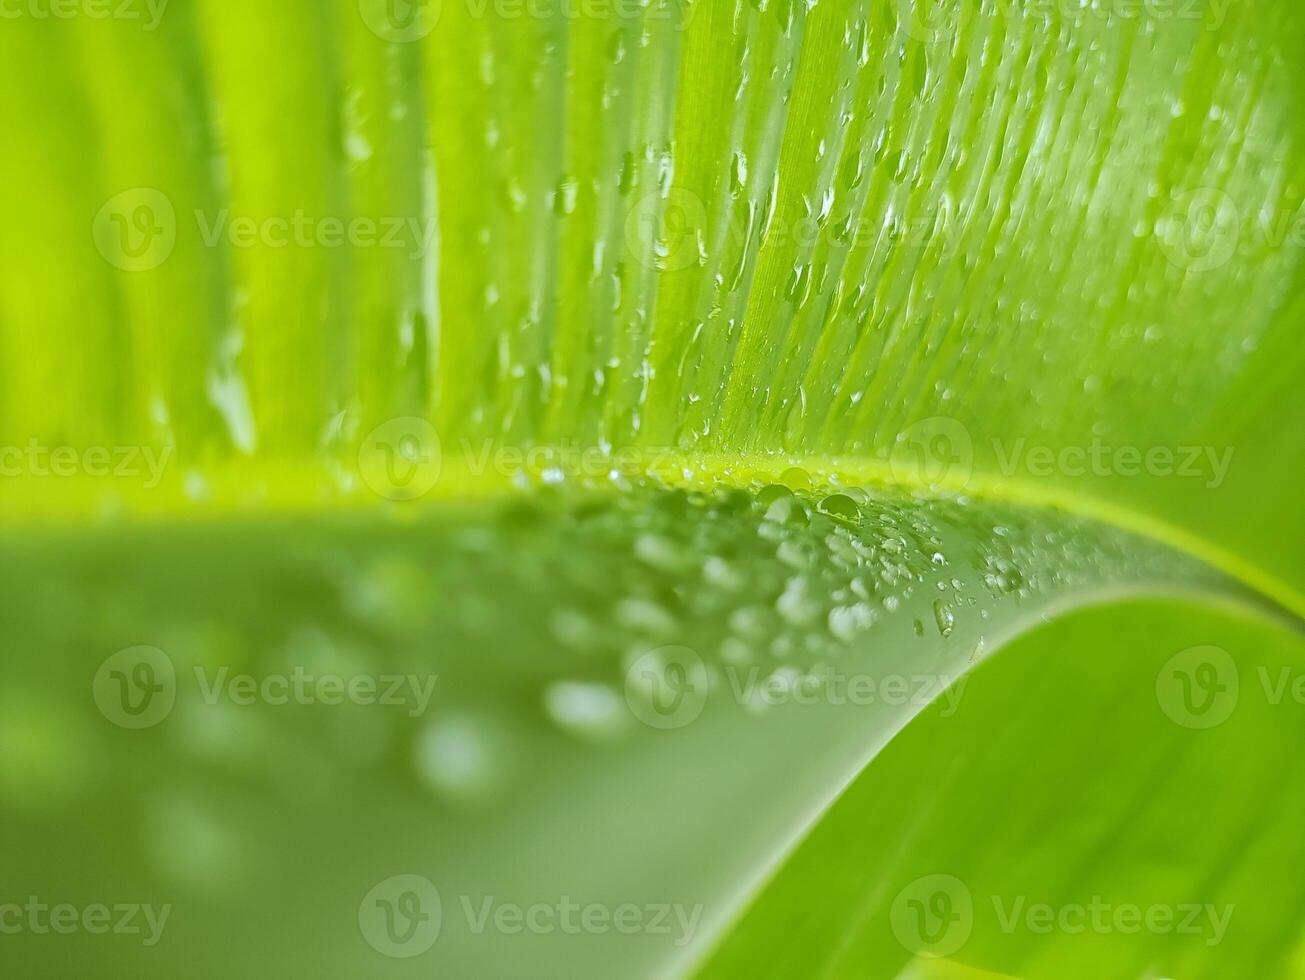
457, 758
565, 195
794, 554
796, 478
788, 511
574, 630
196, 487
752, 622
846, 622
585, 709
944, 617
644, 615
616, 47
720, 573
659, 552
191, 841
797, 604
739, 173
736, 651
841, 507
767, 495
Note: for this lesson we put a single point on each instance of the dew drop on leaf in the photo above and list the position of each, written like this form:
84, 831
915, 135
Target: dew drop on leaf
457, 758
840, 506
588, 710
944, 617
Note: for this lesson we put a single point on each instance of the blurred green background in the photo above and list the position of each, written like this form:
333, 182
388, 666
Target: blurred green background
469, 466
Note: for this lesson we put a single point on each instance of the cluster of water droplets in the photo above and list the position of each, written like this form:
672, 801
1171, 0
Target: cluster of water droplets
530, 615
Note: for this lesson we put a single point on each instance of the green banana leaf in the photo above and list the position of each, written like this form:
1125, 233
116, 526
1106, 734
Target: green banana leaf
506, 488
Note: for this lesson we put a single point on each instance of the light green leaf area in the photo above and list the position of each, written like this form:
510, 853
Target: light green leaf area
641, 700
1084, 809
255, 235
676, 398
